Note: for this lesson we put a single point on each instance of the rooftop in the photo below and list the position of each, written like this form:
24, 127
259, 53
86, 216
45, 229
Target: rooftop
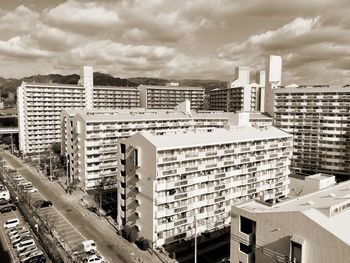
312, 89
170, 87
217, 136
329, 207
55, 85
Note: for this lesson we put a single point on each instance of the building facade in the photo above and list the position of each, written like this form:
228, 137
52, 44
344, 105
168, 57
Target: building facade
319, 119
39, 107
311, 228
90, 138
240, 94
167, 97
167, 182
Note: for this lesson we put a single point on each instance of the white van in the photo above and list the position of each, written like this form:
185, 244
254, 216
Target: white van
23, 244
89, 245
11, 223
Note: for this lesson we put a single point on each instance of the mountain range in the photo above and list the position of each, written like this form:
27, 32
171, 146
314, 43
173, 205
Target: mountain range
102, 79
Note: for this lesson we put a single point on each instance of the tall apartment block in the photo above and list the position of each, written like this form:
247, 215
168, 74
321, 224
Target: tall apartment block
169, 181
167, 97
240, 94
312, 228
90, 138
40, 105
319, 119
318, 116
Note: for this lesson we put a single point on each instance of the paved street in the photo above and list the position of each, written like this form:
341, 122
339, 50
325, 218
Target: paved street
113, 247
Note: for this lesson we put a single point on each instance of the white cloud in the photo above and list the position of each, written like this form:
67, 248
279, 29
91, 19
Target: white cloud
21, 47
83, 14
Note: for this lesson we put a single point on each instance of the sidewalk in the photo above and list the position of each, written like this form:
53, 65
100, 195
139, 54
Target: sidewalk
105, 228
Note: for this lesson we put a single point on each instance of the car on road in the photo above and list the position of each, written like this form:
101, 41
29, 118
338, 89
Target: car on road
8, 208
43, 203
94, 259
24, 183
31, 255
29, 189
11, 223
28, 250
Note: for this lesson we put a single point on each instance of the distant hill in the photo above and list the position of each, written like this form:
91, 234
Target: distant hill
102, 79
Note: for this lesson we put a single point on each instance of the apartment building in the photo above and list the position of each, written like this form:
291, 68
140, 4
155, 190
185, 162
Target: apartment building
167, 97
40, 104
240, 94
89, 138
319, 119
115, 97
312, 228
167, 182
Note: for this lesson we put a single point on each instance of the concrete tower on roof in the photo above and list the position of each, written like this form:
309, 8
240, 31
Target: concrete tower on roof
273, 80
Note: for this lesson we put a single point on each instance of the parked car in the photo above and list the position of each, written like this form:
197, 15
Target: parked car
17, 177
36, 259
28, 250
8, 208
20, 238
19, 234
11, 234
4, 201
31, 255
43, 203
15, 229
24, 244
24, 183
11, 223
94, 258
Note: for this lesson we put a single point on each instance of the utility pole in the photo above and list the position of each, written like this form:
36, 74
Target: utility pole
50, 166
11, 144
195, 239
67, 172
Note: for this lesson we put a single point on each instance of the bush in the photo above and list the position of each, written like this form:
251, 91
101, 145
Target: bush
143, 244
130, 234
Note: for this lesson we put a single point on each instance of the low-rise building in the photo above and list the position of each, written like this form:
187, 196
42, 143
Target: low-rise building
167, 182
312, 228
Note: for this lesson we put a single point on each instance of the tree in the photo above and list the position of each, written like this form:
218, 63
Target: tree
49, 222
104, 184
143, 243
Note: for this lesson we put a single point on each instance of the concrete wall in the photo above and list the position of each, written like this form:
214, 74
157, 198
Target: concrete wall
274, 231
146, 172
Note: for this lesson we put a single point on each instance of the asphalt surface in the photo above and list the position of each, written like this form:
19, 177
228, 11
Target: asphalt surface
87, 227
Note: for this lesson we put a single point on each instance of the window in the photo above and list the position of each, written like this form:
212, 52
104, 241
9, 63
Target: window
296, 251
122, 148
247, 226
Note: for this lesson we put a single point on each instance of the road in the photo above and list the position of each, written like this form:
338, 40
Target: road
112, 247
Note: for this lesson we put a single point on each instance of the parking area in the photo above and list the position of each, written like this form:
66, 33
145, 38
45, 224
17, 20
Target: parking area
20, 234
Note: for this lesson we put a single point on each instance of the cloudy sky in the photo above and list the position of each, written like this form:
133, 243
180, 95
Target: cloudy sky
176, 39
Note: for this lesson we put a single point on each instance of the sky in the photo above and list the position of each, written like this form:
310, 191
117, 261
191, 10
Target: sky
177, 39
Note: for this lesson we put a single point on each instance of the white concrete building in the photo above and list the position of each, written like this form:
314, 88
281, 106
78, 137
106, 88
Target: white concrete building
89, 138
303, 185
319, 119
167, 97
309, 229
39, 107
168, 180
240, 94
